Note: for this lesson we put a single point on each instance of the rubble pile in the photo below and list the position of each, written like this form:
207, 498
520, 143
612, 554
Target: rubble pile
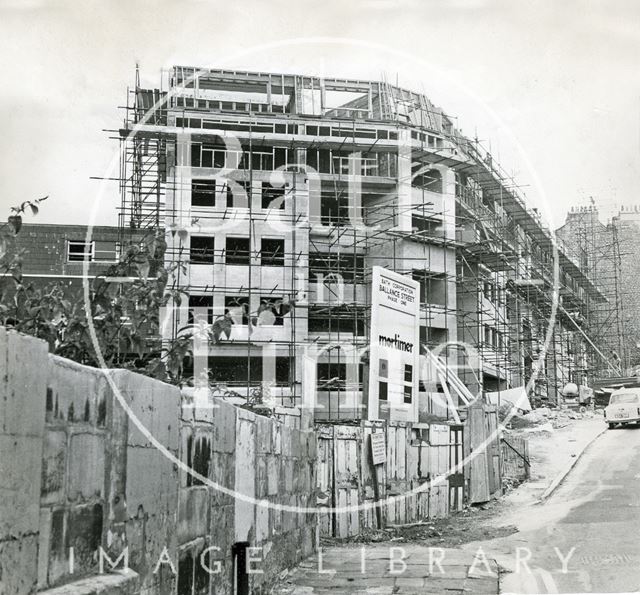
542, 419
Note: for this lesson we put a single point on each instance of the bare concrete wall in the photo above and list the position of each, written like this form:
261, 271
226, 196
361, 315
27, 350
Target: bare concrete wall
80, 478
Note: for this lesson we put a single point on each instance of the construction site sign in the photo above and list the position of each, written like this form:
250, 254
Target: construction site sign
378, 448
394, 349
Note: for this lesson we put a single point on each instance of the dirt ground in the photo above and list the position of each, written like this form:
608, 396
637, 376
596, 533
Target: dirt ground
471, 524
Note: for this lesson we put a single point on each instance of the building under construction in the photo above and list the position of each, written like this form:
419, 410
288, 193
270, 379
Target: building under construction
608, 253
278, 193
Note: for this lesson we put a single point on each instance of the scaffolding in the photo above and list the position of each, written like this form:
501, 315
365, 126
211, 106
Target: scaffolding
608, 253
591, 244
278, 193
507, 280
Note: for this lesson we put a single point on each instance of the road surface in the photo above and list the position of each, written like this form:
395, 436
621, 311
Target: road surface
592, 522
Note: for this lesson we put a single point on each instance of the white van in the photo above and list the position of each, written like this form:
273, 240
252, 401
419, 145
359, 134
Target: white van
623, 408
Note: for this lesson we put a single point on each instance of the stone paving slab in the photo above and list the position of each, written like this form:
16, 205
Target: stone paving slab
390, 569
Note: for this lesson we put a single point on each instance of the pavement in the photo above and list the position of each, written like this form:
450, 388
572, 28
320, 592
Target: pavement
383, 569
552, 454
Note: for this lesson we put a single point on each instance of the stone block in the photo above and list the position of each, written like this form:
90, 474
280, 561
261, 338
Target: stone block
222, 474
152, 482
86, 466
276, 438
75, 393
18, 565
288, 476
262, 522
147, 536
44, 540
222, 527
261, 476
186, 435
245, 414
24, 361
187, 412
193, 513
84, 535
203, 408
273, 475
116, 461
20, 470
154, 404
224, 434
53, 466
275, 520
303, 478
285, 434
263, 435
57, 562
245, 476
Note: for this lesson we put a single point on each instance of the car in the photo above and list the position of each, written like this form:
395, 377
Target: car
623, 407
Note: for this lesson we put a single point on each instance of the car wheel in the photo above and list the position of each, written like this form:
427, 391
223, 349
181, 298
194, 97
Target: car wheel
611, 426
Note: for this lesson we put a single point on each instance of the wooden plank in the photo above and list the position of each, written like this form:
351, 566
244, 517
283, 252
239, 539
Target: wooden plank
391, 453
372, 517
478, 472
456, 475
493, 449
353, 489
353, 513
438, 434
413, 513
367, 472
324, 480
401, 471
346, 481
425, 453
401, 453
413, 451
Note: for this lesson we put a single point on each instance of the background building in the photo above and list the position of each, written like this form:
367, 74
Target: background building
56, 253
608, 253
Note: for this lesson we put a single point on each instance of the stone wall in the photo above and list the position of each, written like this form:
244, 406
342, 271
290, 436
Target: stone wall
262, 460
22, 411
82, 483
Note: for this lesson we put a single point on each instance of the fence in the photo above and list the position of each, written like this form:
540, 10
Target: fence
383, 482
482, 450
514, 454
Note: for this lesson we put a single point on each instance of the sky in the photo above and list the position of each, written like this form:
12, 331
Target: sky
553, 88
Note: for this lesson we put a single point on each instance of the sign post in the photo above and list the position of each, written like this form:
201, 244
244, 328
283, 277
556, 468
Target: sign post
394, 350
378, 443
378, 448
